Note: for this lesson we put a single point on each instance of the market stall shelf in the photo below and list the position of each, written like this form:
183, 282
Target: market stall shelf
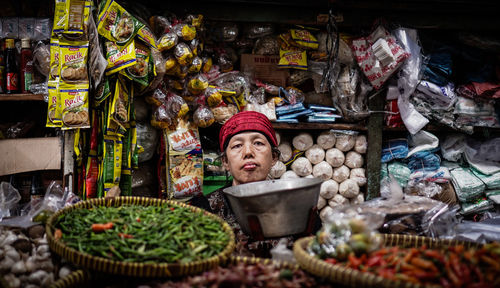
136, 269
21, 97
355, 278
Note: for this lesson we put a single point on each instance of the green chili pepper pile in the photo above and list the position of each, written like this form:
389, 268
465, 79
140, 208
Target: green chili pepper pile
142, 234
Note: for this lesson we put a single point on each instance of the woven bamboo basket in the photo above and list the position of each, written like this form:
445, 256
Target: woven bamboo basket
135, 269
355, 278
76, 278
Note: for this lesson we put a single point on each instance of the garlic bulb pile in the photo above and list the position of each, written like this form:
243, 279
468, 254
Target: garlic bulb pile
336, 158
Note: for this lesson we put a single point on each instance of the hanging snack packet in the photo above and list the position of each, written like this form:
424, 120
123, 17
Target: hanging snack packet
102, 92
184, 161
183, 54
111, 165
195, 20
75, 109
116, 24
203, 117
54, 106
139, 72
160, 118
73, 61
186, 32
170, 64
118, 60
303, 39
54, 59
213, 96
293, 58
207, 64
158, 97
120, 106
77, 20
167, 41
60, 16
195, 66
197, 84
176, 106
146, 36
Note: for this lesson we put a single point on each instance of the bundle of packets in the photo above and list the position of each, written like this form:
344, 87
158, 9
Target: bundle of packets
311, 113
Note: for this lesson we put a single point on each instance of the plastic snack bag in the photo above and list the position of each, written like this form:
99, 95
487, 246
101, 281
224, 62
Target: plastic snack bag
167, 41
183, 54
203, 117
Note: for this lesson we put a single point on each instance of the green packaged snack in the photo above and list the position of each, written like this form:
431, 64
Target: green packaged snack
467, 186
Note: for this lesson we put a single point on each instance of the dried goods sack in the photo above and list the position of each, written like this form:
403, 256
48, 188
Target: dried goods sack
289, 175
315, 154
345, 142
277, 170
358, 175
349, 188
467, 186
303, 141
285, 151
323, 171
338, 201
361, 144
340, 174
321, 203
326, 140
335, 157
302, 167
353, 160
328, 189
357, 200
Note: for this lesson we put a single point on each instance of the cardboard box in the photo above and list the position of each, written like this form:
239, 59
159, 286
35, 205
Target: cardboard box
30, 154
265, 68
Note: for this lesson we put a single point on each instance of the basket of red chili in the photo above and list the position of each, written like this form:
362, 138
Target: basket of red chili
139, 236
407, 261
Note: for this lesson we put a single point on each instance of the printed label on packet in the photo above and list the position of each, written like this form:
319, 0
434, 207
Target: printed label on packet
75, 106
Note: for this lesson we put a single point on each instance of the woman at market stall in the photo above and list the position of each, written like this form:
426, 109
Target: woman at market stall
248, 147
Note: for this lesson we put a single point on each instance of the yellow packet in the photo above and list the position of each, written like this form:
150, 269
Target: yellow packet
119, 109
167, 41
213, 96
54, 105
197, 84
73, 61
304, 39
118, 60
207, 64
183, 54
296, 59
78, 16
60, 16
139, 72
116, 24
170, 63
75, 105
146, 36
112, 162
195, 66
54, 59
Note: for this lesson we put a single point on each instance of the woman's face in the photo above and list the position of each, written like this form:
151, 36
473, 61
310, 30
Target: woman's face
249, 157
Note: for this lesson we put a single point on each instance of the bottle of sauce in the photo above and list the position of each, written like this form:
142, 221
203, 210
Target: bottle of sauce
11, 71
26, 65
2, 66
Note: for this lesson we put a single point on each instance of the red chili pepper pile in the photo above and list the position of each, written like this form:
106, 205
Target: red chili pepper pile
454, 266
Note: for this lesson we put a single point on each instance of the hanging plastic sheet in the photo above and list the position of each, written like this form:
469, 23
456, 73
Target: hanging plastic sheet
407, 80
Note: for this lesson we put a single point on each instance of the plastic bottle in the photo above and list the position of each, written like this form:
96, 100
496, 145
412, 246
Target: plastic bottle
11, 71
26, 65
2, 66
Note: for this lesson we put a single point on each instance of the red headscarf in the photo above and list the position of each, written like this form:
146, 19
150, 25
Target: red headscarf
246, 121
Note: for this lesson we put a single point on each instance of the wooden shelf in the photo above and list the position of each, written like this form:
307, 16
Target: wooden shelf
310, 126
21, 97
